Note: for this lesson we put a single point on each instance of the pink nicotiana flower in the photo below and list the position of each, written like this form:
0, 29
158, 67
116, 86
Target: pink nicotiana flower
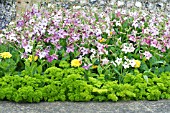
50, 58
147, 54
154, 43
105, 61
70, 48
87, 66
20, 23
132, 38
84, 51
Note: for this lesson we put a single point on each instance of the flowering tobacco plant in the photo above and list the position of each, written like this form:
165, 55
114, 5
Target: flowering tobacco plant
109, 41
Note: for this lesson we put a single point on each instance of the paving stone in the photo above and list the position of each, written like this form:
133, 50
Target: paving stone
161, 106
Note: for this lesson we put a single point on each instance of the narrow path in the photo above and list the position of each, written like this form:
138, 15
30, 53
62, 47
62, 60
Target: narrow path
162, 106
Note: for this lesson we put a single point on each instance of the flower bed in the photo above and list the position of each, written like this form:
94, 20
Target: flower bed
83, 54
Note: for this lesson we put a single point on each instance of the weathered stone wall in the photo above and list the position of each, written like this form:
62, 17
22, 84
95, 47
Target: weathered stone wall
7, 12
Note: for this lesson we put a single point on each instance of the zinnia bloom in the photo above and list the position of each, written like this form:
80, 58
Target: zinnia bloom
30, 58
137, 64
102, 40
94, 66
5, 55
75, 63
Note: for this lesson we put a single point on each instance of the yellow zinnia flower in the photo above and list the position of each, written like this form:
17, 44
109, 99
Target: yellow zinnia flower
137, 64
75, 63
94, 66
102, 40
111, 33
30, 58
5, 55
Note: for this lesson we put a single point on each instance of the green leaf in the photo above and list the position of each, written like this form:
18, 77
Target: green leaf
87, 60
116, 71
144, 67
167, 68
158, 62
39, 69
94, 60
67, 57
152, 60
146, 78
99, 69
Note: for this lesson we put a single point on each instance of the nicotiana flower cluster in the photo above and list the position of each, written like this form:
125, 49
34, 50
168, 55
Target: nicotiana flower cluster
88, 33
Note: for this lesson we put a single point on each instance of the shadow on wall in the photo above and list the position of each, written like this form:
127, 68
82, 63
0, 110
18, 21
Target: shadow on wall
23, 5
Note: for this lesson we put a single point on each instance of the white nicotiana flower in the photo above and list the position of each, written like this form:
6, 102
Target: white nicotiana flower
118, 23
130, 4
1, 40
98, 31
18, 28
101, 15
1, 35
92, 56
28, 48
31, 21
35, 6
76, 7
120, 3
118, 61
30, 34
80, 58
93, 51
94, 8
112, 62
119, 41
22, 37
146, 31
52, 6
106, 52
123, 12
108, 32
125, 57
52, 14
125, 18
42, 54
125, 49
83, 1
12, 37
49, 5
112, 2
107, 19
135, 24
125, 65
132, 62
117, 10
132, 49
100, 52
128, 47
4, 30
138, 4
11, 23
134, 32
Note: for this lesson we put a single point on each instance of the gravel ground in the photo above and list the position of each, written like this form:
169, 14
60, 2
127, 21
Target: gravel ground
162, 106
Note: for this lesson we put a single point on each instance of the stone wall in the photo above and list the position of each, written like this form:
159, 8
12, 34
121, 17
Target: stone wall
7, 10
164, 5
